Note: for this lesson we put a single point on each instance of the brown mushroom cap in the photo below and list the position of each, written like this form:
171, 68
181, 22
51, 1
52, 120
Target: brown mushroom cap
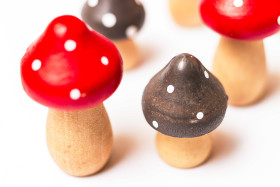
184, 99
115, 19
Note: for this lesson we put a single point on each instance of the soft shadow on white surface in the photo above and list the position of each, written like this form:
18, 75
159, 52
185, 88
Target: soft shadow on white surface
147, 52
124, 145
273, 85
224, 144
246, 146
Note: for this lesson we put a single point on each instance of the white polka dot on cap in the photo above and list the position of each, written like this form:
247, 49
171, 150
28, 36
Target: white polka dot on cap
155, 124
92, 3
70, 45
104, 60
75, 94
36, 65
60, 29
238, 3
109, 20
206, 74
138, 2
131, 31
199, 115
170, 89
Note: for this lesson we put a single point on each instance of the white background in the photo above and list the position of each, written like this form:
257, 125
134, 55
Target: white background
246, 151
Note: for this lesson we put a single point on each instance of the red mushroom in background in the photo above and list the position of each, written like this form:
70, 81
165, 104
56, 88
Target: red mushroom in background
240, 61
73, 70
185, 12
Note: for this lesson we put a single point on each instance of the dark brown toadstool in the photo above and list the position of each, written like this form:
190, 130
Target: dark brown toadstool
119, 20
184, 102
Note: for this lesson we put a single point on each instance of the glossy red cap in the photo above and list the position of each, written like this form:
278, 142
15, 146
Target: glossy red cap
70, 67
242, 19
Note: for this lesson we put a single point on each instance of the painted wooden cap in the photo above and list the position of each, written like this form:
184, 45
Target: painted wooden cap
70, 67
115, 19
242, 19
184, 99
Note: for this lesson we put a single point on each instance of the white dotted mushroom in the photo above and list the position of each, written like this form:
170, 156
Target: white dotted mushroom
104, 60
36, 65
109, 20
206, 74
199, 115
64, 82
115, 19
70, 45
238, 3
75, 94
170, 89
92, 3
155, 124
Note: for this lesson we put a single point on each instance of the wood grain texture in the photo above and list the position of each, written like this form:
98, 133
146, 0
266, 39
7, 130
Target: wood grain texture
80, 142
184, 152
129, 53
241, 67
185, 12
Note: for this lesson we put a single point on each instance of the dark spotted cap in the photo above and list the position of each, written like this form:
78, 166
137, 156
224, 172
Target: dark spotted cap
115, 19
184, 99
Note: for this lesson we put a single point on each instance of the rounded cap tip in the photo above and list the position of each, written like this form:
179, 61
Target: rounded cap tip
184, 99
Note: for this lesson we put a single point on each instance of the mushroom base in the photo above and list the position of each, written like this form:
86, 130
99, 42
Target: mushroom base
80, 142
185, 12
241, 67
129, 53
184, 152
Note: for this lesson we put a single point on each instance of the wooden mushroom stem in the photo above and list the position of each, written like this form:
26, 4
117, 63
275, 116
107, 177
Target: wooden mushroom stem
241, 67
184, 152
129, 53
185, 12
80, 142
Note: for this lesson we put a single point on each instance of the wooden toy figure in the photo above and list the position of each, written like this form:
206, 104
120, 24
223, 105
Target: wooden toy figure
185, 12
73, 70
184, 102
240, 62
118, 20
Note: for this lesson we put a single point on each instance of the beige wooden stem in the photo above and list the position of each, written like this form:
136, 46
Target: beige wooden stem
185, 12
241, 67
129, 53
80, 142
183, 152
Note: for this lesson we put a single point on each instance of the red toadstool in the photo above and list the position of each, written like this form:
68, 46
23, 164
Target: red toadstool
240, 59
73, 70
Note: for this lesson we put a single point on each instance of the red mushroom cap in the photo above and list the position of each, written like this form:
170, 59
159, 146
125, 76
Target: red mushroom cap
242, 19
70, 67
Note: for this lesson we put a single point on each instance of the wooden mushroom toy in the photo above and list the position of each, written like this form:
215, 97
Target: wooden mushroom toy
118, 20
184, 102
73, 70
185, 12
240, 62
